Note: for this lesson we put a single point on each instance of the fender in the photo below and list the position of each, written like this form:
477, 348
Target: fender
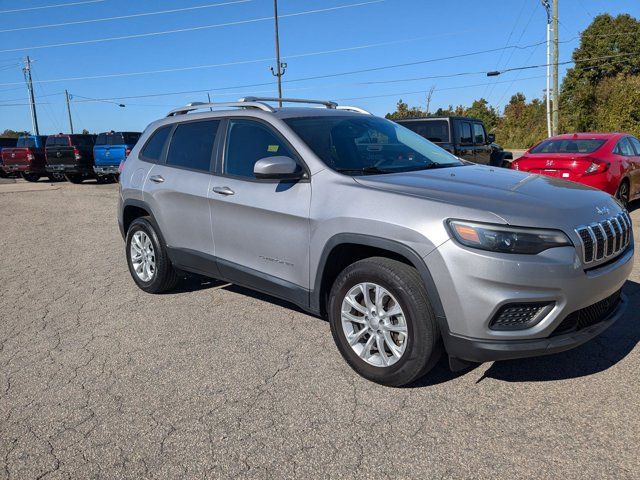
385, 244
132, 202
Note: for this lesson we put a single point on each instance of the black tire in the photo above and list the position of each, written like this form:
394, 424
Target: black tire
3, 174
165, 276
56, 177
102, 180
423, 346
75, 178
31, 177
622, 194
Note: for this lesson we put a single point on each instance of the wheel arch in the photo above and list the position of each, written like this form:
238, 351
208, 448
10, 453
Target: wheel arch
346, 248
132, 209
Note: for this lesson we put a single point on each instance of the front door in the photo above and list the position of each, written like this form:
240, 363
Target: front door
261, 227
465, 148
481, 149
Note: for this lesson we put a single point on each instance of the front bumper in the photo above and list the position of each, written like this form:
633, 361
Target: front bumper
473, 285
476, 350
106, 169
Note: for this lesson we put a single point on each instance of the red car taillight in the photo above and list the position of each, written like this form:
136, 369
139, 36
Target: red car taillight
127, 152
31, 156
596, 166
121, 166
76, 153
515, 165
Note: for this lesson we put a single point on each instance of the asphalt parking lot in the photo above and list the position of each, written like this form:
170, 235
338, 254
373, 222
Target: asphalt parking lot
100, 380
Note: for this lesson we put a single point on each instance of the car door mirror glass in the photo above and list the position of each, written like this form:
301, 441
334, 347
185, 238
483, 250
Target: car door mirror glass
277, 168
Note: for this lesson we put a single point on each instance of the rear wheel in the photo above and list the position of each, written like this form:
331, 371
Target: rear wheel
31, 177
75, 177
382, 321
623, 193
56, 177
147, 258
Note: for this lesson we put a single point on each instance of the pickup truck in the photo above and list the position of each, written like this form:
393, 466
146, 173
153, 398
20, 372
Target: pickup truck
71, 155
27, 158
5, 143
465, 137
110, 150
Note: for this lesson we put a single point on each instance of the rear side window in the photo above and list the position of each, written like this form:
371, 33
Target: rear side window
465, 133
624, 148
192, 145
574, 145
432, 130
248, 142
152, 151
478, 134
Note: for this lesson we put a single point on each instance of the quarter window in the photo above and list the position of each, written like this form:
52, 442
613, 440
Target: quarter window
478, 134
465, 133
192, 145
248, 142
152, 151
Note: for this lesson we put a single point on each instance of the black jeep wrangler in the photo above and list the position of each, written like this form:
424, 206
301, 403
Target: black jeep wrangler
465, 137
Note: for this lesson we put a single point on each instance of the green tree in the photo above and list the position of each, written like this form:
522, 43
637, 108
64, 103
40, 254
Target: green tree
8, 133
481, 110
609, 48
523, 124
404, 111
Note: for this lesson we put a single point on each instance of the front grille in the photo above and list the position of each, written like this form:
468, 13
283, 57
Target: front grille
589, 316
518, 316
605, 239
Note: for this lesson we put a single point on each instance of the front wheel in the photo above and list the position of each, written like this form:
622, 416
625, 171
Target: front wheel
147, 258
382, 321
75, 178
31, 177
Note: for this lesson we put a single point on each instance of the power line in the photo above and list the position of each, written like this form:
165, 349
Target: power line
58, 5
192, 29
123, 17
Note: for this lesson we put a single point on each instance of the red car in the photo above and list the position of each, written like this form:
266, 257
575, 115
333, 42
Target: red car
607, 161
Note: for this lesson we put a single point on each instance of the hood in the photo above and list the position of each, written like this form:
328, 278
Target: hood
518, 198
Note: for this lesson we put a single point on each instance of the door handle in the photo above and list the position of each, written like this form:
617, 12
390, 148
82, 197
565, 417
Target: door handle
223, 190
156, 178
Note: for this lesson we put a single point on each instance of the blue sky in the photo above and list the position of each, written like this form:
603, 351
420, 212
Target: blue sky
391, 32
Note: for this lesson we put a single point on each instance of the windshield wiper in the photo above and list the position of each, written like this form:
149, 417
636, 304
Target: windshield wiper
365, 170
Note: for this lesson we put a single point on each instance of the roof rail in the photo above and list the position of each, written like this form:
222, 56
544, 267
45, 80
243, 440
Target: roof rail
353, 109
326, 103
190, 107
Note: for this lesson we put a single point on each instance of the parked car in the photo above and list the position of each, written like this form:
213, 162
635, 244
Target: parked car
607, 161
71, 156
27, 158
465, 137
5, 143
110, 150
399, 243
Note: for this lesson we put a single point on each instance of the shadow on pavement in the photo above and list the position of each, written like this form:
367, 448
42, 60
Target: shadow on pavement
635, 205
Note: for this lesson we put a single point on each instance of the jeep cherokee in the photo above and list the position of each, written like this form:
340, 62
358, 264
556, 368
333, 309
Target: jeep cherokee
405, 248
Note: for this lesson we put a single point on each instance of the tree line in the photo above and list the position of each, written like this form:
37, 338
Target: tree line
600, 93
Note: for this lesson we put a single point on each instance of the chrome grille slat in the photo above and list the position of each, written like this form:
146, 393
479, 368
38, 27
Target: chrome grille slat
605, 239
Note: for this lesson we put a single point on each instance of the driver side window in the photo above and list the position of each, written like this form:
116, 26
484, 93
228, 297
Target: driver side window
247, 142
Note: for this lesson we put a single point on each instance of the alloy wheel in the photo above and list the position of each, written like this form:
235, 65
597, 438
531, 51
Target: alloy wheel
374, 324
143, 256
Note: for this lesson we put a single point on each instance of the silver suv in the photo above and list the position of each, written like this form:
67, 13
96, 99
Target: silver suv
404, 247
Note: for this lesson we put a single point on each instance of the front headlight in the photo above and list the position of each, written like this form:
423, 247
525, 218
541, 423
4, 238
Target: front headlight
506, 239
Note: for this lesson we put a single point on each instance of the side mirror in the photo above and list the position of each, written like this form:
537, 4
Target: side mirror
491, 137
277, 168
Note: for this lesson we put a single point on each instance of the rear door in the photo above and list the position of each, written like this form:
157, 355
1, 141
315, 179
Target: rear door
177, 191
261, 227
481, 150
634, 167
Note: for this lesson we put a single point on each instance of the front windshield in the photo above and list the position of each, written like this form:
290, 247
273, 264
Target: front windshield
360, 145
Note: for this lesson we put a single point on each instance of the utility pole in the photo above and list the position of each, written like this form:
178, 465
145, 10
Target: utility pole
556, 105
32, 101
280, 67
68, 97
429, 95
547, 6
